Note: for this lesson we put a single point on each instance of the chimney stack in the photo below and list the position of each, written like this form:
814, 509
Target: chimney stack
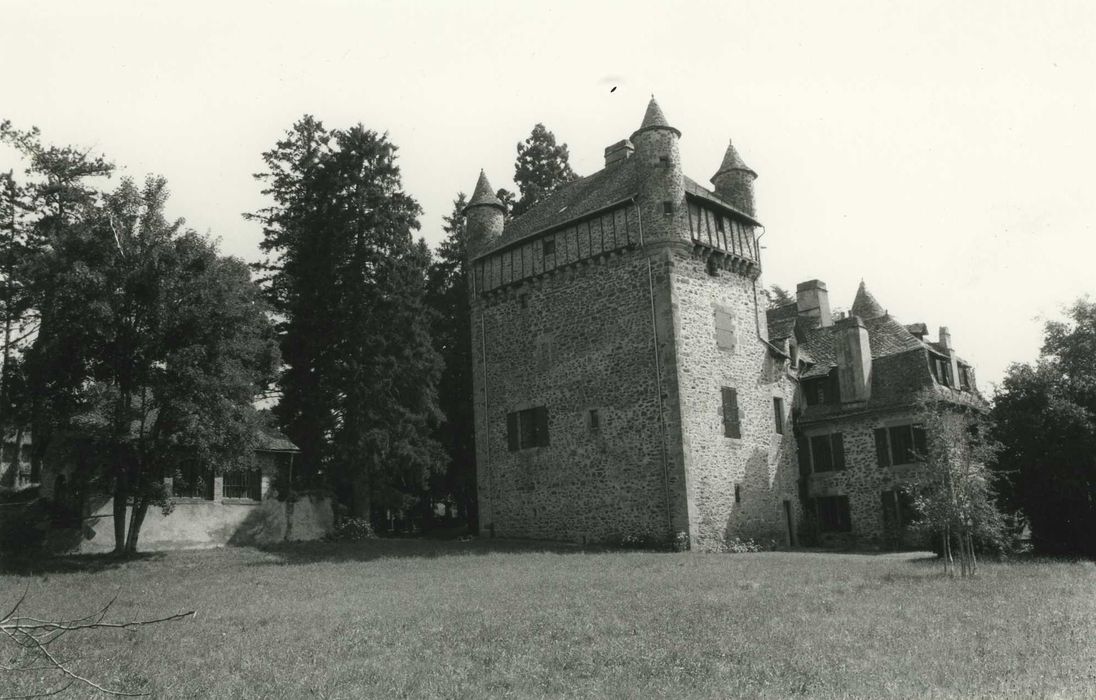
813, 300
853, 350
621, 150
944, 339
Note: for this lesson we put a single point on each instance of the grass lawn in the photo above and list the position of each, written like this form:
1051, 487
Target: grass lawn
407, 618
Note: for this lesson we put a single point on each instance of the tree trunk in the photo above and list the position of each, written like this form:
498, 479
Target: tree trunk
121, 495
140, 508
973, 556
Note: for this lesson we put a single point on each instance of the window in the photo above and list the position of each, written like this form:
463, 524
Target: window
595, 421
549, 246
964, 377
778, 415
719, 223
527, 428
899, 510
192, 480
667, 207
738, 493
725, 336
523, 299
821, 453
831, 513
822, 390
247, 483
664, 161
941, 369
900, 444
732, 425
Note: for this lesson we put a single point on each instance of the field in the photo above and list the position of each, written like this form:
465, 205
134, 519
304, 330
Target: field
406, 618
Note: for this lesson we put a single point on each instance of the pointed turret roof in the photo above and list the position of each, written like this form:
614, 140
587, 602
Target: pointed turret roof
484, 195
653, 118
865, 305
732, 161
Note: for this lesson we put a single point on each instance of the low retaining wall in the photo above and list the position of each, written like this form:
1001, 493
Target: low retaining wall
202, 524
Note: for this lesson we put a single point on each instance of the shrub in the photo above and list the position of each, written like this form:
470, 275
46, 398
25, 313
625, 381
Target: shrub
352, 530
737, 546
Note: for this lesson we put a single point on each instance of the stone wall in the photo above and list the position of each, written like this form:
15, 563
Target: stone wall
761, 462
862, 480
575, 340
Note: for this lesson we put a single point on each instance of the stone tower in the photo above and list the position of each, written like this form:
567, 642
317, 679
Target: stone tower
624, 387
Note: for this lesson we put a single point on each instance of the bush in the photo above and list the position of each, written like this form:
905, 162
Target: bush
737, 546
352, 530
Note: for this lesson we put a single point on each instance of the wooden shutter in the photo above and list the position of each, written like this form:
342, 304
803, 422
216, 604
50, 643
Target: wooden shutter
803, 449
512, 441
778, 414
920, 443
731, 425
882, 451
838, 442
540, 420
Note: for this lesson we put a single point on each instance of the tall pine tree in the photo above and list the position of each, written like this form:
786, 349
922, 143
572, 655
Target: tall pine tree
541, 168
360, 384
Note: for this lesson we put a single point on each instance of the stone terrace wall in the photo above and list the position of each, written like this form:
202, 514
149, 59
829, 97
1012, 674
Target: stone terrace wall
576, 340
762, 462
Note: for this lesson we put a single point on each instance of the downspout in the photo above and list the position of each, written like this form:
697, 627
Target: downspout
487, 426
658, 388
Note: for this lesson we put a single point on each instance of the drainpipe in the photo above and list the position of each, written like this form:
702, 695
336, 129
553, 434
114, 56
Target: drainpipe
658, 387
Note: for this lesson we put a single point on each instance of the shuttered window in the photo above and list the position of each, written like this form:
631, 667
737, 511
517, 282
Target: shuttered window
827, 452
900, 444
527, 428
732, 426
778, 415
832, 513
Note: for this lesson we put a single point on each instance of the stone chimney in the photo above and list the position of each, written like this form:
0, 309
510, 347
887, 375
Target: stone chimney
945, 338
621, 150
812, 299
853, 350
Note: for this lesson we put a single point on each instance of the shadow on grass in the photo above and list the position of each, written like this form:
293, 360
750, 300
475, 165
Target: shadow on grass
304, 553
39, 564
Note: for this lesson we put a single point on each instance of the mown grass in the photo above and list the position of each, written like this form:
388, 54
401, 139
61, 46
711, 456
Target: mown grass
451, 619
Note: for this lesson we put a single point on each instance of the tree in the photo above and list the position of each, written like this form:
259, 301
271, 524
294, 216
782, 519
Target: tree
157, 348
340, 238
778, 296
541, 168
447, 295
954, 495
54, 200
1046, 422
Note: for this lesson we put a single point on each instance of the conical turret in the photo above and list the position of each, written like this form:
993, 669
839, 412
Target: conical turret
662, 188
865, 305
734, 181
485, 216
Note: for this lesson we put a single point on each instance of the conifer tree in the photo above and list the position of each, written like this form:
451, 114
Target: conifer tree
447, 285
360, 383
541, 168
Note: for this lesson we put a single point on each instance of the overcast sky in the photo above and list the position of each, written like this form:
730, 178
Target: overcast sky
941, 151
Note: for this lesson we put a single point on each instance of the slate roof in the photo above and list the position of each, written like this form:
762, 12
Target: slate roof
781, 321
273, 440
483, 194
732, 161
653, 118
865, 304
696, 189
886, 336
608, 186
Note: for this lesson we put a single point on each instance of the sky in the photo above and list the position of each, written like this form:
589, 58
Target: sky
942, 152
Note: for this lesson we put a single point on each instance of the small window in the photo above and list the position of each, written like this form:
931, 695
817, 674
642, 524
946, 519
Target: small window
246, 483
667, 207
594, 421
732, 425
778, 415
523, 299
192, 480
527, 428
900, 444
832, 513
664, 161
738, 493
549, 246
827, 452
719, 223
